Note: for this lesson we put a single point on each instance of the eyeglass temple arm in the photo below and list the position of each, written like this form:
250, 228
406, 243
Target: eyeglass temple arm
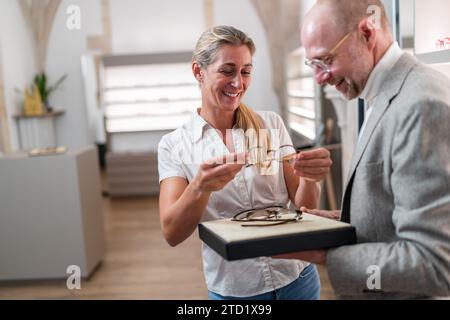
340, 43
292, 155
328, 147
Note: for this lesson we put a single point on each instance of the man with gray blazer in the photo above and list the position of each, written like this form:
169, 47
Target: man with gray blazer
398, 190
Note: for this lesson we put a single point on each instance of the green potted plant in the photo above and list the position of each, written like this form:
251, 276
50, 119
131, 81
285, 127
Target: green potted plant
40, 80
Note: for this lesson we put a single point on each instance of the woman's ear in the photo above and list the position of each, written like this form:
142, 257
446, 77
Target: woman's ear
369, 32
197, 71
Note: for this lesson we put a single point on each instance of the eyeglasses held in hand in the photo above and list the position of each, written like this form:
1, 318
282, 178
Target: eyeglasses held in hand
270, 158
268, 216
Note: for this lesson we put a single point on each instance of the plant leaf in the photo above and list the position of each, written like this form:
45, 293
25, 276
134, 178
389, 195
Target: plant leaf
57, 84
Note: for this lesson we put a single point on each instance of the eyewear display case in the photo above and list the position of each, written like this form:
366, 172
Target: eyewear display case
235, 240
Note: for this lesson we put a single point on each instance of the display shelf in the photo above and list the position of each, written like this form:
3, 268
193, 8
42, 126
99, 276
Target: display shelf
38, 131
43, 115
436, 57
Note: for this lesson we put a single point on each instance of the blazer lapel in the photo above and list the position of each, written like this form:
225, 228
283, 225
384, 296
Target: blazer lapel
389, 91
379, 109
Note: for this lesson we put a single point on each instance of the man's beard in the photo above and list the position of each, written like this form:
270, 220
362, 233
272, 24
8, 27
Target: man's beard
352, 90
356, 87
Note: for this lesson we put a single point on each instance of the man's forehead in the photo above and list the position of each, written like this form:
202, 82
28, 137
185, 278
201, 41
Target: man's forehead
318, 32
317, 44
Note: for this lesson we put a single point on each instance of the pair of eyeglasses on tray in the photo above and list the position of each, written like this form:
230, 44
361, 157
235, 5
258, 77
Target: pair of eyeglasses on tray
267, 216
270, 154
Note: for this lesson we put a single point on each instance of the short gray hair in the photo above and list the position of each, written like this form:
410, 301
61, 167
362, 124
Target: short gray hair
211, 40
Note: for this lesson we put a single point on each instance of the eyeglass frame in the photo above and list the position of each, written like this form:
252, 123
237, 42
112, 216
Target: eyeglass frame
287, 158
442, 43
321, 64
270, 219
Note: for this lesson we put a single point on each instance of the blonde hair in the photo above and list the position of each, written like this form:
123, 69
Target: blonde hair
213, 39
257, 140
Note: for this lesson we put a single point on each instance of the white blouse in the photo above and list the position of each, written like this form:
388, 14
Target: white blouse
179, 155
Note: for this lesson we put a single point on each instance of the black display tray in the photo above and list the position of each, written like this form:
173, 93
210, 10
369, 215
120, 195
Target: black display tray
233, 241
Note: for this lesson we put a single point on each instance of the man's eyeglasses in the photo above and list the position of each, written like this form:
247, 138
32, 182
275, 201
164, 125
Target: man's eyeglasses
324, 64
268, 216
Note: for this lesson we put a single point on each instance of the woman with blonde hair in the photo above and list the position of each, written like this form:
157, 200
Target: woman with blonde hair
223, 162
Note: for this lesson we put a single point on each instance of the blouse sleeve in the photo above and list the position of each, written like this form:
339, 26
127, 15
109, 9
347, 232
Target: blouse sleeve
169, 164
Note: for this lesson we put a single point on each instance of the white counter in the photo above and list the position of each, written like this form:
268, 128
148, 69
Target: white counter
50, 215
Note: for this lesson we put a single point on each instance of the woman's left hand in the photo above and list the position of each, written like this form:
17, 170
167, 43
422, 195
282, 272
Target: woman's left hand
313, 165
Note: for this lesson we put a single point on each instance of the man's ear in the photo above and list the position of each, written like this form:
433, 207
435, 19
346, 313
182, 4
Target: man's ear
369, 32
197, 71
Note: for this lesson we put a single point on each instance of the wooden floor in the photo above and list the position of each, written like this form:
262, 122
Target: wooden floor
138, 263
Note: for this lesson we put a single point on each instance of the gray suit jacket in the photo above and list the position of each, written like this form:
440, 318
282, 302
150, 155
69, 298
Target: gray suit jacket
398, 192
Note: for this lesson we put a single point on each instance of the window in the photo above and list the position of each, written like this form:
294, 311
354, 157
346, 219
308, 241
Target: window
303, 96
148, 92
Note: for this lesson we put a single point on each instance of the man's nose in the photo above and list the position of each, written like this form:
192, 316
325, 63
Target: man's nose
321, 76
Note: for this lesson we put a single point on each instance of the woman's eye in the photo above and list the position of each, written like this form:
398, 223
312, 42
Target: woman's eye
246, 73
227, 72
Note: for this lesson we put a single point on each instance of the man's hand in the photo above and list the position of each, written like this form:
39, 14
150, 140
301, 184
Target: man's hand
313, 256
313, 165
330, 214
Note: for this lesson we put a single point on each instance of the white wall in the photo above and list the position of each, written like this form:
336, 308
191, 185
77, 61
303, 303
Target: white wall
17, 61
64, 57
156, 26
426, 32
142, 26
260, 95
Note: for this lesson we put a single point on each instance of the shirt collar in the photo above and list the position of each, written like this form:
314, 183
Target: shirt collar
379, 73
196, 126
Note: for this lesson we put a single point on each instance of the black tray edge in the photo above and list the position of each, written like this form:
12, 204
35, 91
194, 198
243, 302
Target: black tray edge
279, 244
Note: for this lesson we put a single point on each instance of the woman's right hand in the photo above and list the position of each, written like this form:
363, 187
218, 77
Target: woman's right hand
215, 174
